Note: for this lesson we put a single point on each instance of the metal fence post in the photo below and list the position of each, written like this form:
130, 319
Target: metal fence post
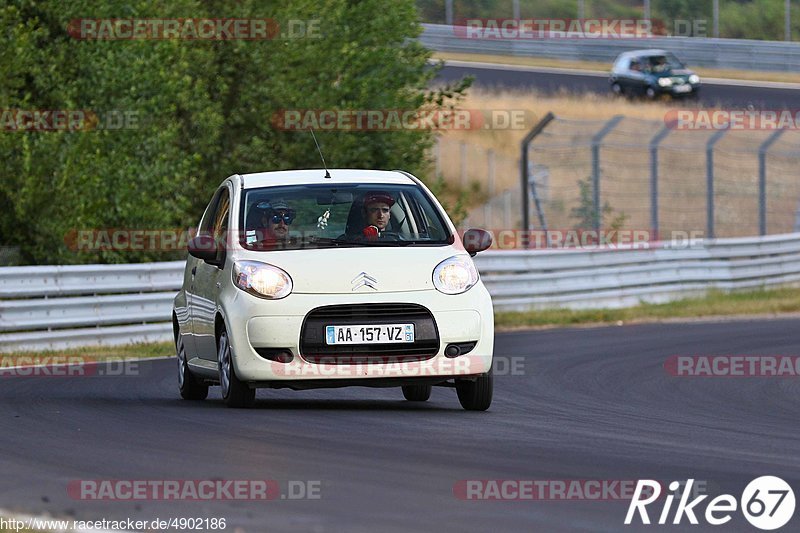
462, 146
654, 142
507, 209
762, 180
596, 140
437, 154
712, 141
490, 157
537, 129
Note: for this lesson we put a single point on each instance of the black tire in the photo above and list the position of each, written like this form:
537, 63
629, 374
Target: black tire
417, 393
234, 392
190, 387
617, 89
475, 395
650, 93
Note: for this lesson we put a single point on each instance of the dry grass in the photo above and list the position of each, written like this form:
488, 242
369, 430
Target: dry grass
771, 302
625, 165
784, 77
589, 106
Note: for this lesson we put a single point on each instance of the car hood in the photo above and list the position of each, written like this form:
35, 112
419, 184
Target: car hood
677, 73
358, 270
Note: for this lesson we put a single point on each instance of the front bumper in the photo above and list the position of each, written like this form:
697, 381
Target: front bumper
254, 323
679, 90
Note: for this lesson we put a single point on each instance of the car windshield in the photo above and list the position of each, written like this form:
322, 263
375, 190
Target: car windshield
342, 215
663, 63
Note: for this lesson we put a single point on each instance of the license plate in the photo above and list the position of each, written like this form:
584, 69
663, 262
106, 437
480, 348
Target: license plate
682, 88
369, 334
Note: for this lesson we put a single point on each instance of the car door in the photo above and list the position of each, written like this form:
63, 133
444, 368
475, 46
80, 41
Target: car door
206, 284
637, 77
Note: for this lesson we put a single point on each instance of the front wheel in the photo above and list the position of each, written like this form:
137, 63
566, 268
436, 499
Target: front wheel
190, 387
475, 395
234, 392
417, 393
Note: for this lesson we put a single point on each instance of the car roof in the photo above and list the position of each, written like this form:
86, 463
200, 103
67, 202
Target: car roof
640, 53
317, 176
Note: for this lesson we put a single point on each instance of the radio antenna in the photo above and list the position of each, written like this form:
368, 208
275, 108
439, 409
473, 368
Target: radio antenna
327, 174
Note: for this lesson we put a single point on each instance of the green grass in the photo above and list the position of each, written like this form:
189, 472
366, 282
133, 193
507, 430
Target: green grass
715, 303
98, 353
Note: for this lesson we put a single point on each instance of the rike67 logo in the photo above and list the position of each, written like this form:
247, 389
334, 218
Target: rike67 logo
767, 503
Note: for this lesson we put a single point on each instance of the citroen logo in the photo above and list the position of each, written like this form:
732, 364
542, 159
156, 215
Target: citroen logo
364, 280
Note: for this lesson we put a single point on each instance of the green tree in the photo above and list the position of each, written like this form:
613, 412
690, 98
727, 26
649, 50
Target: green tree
204, 111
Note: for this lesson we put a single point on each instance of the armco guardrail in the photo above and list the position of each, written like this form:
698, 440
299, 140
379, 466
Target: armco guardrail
55, 307
524, 280
696, 51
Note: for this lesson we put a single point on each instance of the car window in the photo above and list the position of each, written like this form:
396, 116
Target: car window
323, 216
621, 64
663, 63
207, 221
221, 216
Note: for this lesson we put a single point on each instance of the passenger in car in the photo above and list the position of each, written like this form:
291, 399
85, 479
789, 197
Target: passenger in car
274, 218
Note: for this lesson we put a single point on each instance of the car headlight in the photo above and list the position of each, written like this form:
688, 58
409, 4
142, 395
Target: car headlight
664, 82
694, 79
261, 279
455, 275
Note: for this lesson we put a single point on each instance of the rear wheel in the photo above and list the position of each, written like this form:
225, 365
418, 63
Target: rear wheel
234, 392
616, 88
475, 395
191, 388
417, 393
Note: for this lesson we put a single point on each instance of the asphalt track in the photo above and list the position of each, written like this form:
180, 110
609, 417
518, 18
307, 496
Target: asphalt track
589, 403
723, 93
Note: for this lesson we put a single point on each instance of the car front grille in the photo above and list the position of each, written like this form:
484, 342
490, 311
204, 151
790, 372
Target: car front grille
312, 336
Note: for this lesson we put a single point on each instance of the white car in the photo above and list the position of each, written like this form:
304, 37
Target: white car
308, 279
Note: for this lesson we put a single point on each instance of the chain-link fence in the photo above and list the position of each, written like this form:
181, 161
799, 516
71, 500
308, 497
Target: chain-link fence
635, 174
496, 176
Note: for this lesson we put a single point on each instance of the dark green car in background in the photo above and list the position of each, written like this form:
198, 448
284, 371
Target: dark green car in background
651, 73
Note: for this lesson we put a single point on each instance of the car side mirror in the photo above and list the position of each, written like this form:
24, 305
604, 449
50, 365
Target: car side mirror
203, 246
476, 240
